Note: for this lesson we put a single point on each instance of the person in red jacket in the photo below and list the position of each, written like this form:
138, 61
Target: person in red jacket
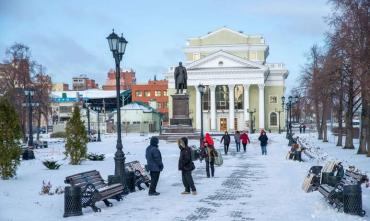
245, 140
208, 139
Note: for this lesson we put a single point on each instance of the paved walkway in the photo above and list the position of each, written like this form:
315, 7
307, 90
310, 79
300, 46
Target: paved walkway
231, 199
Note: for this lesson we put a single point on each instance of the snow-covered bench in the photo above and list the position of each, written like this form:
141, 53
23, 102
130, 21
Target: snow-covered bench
335, 195
94, 189
40, 144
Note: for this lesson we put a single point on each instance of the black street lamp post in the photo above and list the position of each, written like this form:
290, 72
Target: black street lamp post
279, 111
117, 45
98, 110
28, 154
251, 119
29, 93
201, 89
87, 105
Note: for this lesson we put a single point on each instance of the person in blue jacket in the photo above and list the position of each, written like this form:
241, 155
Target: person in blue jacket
154, 163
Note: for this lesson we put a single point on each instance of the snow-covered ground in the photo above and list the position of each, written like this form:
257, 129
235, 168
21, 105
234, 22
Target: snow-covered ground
248, 186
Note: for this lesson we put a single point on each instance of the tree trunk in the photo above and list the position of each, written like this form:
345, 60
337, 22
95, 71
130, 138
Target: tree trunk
38, 125
340, 117
323, 125
318, 126
349, 117
364, 126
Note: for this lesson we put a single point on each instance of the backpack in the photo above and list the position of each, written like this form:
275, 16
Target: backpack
218, 159
195, 153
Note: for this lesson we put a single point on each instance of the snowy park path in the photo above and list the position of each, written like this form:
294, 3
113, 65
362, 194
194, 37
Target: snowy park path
230, 200
248, 186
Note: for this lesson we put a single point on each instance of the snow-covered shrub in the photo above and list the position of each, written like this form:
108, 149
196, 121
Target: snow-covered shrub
60, 134
95, 157
10, 134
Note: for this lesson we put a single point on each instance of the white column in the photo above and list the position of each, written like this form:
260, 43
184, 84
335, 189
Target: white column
261, 108
213, 107
246, 102
231, 107
198, 108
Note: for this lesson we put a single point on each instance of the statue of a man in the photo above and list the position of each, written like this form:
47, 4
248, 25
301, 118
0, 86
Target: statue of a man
181, 78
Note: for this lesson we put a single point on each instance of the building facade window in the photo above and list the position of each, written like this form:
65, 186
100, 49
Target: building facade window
157, 93
206, 99
164, 93
222, 97
273, 119
146, 93
273, 99
238, 97
138, 93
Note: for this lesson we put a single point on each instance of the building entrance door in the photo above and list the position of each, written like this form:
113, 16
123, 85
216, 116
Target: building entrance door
223, 124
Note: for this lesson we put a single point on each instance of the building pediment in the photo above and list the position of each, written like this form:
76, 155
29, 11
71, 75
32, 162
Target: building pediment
222, 59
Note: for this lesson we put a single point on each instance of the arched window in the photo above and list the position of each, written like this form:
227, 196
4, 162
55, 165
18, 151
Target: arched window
273, 119
238, 96
222, 97
206, 99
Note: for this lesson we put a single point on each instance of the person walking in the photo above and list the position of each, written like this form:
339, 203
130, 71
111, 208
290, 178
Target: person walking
208, 154
237, 140
209, 139
245, 140
263, 140
186, 166
155, 165
226, 139
304, 128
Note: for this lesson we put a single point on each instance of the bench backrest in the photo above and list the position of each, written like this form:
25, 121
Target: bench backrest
357, 176
82, 179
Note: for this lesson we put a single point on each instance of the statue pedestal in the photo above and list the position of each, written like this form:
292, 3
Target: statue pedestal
180, 110
180, 123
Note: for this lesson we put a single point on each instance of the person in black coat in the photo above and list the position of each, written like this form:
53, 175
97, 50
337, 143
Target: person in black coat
226, 139
186, 166
154, 163
263, 140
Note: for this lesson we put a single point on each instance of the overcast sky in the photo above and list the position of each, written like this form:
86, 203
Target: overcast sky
68, 36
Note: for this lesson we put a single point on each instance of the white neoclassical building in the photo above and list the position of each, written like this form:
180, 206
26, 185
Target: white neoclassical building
241, 87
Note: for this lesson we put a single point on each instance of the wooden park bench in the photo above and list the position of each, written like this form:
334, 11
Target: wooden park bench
315, 175
40, 144
94, 189
334, 194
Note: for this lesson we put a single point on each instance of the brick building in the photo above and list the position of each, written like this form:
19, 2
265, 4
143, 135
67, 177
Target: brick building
153, 90
127, 79
60, 87
82, 83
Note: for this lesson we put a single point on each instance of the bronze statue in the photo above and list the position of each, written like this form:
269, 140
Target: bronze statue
181, 78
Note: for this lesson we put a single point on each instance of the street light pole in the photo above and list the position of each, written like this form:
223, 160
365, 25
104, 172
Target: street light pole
279, 111
98, 110
30, 131
88, 118
201, 89
251, 119
117, 46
